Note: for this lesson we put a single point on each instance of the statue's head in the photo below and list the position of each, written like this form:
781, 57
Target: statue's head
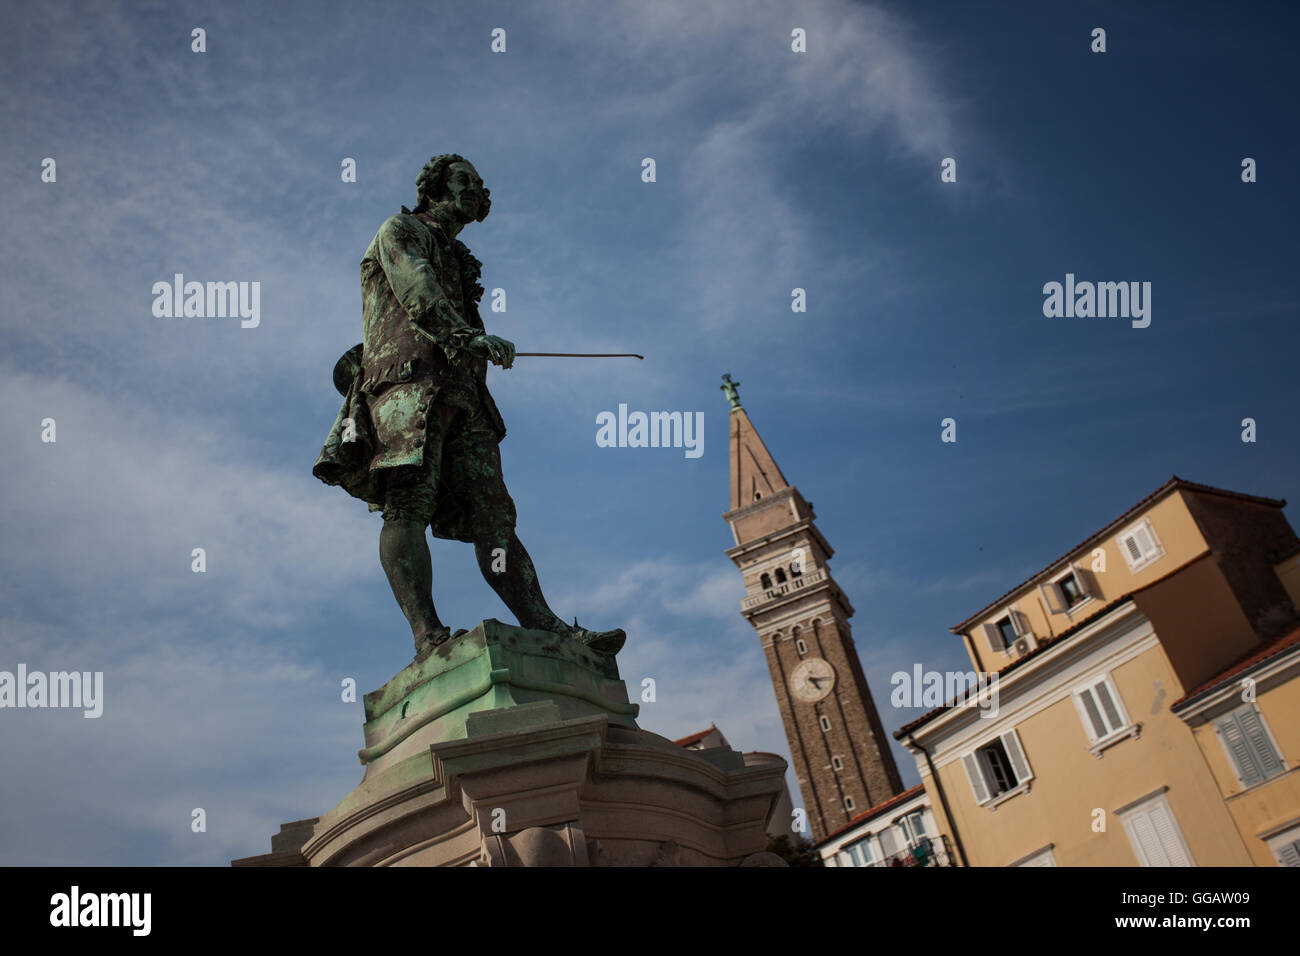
453, 181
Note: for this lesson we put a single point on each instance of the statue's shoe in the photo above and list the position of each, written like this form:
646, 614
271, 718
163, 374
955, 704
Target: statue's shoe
605, 642
425, 645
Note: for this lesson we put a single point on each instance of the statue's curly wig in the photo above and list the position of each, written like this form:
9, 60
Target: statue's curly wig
432, 181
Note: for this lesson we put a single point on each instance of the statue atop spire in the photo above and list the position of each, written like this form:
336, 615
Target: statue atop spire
732, 390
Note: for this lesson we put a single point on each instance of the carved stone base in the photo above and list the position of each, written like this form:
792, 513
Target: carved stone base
560, 780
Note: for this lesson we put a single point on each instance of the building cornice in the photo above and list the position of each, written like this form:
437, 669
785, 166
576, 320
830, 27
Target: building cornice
1224, 696
1044, 667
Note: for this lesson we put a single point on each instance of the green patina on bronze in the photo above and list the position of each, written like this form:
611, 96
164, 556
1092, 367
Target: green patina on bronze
417, 434
731, 390
491, 668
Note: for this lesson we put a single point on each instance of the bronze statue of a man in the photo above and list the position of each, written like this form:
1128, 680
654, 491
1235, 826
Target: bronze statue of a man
417, 436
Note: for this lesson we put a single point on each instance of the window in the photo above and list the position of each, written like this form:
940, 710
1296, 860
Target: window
795, 570
780, 576
1069, 591
800, 646
862, 853
1154, 833
997, 768
888, 843
825, 723
1285, 847
1006, 630
766, 582
913, 827
1139, 545
1043, 857
1102, 712
1249, 745
848, 802
837, 764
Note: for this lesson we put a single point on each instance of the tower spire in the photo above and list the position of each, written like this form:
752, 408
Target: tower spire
842, 759
754, 472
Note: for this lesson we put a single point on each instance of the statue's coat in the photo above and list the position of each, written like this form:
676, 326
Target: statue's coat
410, 274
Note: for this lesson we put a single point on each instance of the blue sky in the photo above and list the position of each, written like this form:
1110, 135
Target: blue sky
774, 170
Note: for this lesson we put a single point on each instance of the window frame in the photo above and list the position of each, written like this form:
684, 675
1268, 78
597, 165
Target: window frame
1128, 727
1268, 737
912, 838
976, 760
1019, 625
1146, 559
1285, 847
1146, 805
1053, 592
862, 847
1080, 594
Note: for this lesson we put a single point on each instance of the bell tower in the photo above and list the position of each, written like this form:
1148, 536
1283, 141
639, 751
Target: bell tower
841, 755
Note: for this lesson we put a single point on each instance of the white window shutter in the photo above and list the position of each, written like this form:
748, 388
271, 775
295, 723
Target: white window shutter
1146, 540
1162, 820
1131, 550
1145, 841
1016, 754
888, 845
975, 774
1289, 855
1052, 597
994, 636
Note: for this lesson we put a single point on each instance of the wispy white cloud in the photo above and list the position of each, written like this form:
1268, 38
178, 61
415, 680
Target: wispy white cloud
181, 435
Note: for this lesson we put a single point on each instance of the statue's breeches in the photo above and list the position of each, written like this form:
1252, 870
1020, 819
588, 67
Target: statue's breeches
458, 488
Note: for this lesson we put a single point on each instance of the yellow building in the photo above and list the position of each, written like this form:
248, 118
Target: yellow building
1247, 723
1083, 762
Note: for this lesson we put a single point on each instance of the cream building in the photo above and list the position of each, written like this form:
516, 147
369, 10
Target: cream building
1247, 724
1084, 762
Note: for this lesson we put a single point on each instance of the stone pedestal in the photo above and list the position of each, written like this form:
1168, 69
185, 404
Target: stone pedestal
511, 747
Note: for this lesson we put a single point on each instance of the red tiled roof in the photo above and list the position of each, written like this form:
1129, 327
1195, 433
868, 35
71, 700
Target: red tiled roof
1172, 484
696, 737
878, 808
1265, 651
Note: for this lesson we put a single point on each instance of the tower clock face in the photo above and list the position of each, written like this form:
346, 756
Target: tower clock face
812, 680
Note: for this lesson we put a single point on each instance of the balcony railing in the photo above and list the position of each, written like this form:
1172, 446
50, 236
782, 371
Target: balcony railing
815, 576
929, 851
